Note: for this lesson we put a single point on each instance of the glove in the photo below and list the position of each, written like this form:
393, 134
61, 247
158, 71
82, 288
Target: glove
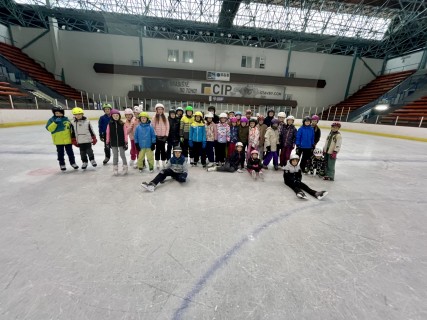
138, 148
239, 170
268, 149
190, 143
153, 146
74, 142
126, 146
181, 139
334, 155
102, 137
94, 141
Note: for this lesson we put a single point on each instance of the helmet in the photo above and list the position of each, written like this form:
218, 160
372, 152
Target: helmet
209, 115
271, 110
159, 105
248, 111
254, 151
274, 121
128, 111
77, 111
189, 108
137, 109
239, 144
198, 113
177, 148
318, 152
144, 114
244, 119
336, 124
223, 115
115, 111
261, 117
58, 109
107, 105
211, 108
253, 119
238, 113
315, 117
179, 109
233, 120
306, 119
290, 118
172, 111
294, 156
281, 114
231, 112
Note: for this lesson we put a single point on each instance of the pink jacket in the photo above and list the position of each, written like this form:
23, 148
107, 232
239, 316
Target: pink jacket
160, 128
107, 140
253, 137
131, 127
211, 132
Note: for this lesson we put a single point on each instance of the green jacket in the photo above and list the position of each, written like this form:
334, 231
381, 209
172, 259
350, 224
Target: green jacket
60, 128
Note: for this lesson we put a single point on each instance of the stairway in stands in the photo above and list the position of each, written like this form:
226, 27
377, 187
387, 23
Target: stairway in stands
411, 115
37, 72
372, 91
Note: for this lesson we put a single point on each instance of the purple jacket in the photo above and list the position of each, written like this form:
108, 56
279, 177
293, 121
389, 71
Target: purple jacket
288, 135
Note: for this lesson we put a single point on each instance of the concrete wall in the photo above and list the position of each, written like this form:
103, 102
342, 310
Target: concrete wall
406, 62
4, 34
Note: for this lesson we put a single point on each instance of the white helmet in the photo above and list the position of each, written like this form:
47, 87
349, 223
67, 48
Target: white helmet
239, 144
137, 109
294, 156
223, 115
209, 115
281, 114
290, 118
318, 152
159, 105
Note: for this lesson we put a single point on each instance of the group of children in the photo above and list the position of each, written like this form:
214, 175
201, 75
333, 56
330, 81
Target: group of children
227, 143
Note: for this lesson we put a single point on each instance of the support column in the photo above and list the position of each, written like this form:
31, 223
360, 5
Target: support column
350, 77
423, 62
289, 59
384, 65
141, 51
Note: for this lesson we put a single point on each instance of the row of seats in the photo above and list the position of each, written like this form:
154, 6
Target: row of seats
411, 114
37, 72
7, 90
372, 91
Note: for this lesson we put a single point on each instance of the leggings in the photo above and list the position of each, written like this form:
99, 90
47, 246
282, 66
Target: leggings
160, 150
116, 151
133, 151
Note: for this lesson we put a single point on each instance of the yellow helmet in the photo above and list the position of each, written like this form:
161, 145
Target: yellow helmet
77, 110
144, 114
198, 113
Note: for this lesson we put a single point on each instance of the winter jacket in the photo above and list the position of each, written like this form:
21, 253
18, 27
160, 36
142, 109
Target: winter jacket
267, 120
272, 138
223, 130
243, 134
117, 135
305, 137
292, 175
178, 165
237, 159
254, 164
234, 134
145, 135
131, 126
60, 128
317, 134
173, 130
184, 127
288, 136
317, 164
82, 131
253, 139
197, 132
160, 128
262, 129
333, 143
103, 122
211, 131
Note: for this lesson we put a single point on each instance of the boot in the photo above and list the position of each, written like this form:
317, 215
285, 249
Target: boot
105, 160
115, 170
191, 161
125, 169
301, 195
75, 166
148, 186
164, 164
210, 169
320, 194
93, 163
84, 165
157, 164
63, 167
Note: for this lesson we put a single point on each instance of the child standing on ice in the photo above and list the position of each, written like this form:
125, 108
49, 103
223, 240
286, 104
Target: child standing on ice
223, 133
253, 137
130, 125
292, 176
117, 140
161, 128
60, 128
211, 138
145, 141
331, 148
271, 145
197, 139
83, 137
103, 122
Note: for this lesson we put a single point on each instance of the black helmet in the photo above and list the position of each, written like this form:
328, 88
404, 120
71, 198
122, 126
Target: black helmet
177, 148
58, 109
172, 111
306, 119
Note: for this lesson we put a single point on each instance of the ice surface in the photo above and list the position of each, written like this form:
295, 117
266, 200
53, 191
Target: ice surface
89, 245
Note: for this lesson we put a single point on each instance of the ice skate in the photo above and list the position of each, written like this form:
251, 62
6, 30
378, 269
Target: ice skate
93, 163
211, 169
84, 165
210, 164
320, 194
164, 164
148, 186
115, 170
131, 163
125, 169
253, 173
204, 166
140, 170
191, 161
158, 165
105, 161
75, 166
276, 168
301, 195
151, 170
261, 175
63, 167
328, 178
135, 165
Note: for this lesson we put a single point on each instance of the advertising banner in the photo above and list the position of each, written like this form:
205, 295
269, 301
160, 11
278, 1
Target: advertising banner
240, 90
218, 76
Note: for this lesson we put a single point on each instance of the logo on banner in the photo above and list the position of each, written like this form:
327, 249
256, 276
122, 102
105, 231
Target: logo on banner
216, 89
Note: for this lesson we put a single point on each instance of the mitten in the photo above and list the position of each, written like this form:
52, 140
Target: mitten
126, 146
334, 155
102, 137
153, 146
94, 141
74, 142
268, 149
190, 143
182, 139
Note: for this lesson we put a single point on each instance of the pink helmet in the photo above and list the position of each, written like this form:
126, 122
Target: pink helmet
336, 124
315, 117
254, 151
233, 120
244, 119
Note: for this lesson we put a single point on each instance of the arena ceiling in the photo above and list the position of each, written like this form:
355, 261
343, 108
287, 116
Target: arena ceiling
372, 28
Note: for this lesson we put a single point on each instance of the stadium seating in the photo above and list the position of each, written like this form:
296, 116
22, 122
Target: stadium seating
372, 91
7, 90
410, 115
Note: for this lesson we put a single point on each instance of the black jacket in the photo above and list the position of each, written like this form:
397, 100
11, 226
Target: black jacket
292, 175
236, 159
173, 130
254, 164
117, 133
316, 135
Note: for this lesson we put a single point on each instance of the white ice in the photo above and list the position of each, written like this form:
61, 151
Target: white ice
89, 245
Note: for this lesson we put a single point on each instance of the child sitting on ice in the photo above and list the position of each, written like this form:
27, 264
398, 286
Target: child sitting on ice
235, 160
292, 176
255, 165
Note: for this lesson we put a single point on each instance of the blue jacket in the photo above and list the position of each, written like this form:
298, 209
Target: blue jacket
234, 134
197, 133
145, 135
103, 124
305, 137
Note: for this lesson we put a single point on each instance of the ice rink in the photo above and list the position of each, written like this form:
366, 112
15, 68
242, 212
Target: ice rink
89, 245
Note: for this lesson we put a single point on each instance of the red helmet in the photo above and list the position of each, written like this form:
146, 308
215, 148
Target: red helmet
336, 124
261, 117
